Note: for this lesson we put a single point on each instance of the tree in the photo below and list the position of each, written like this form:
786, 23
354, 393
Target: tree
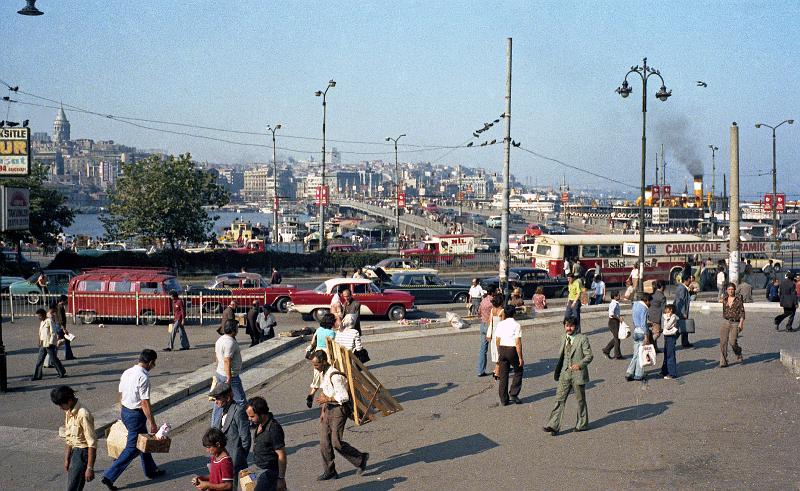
49, 213
157, 199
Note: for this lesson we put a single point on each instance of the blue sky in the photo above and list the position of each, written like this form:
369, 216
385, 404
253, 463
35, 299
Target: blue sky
432, 70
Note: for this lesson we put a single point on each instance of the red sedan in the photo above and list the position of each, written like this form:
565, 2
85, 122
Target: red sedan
374, 301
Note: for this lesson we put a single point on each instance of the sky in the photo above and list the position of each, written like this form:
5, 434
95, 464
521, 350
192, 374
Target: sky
435, 71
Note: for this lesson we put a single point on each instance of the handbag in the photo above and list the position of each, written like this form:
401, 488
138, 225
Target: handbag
362, 355
685, 326
647, 355
309, 352
624, 331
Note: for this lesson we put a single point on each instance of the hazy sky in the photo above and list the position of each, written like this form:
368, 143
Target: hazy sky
433, 70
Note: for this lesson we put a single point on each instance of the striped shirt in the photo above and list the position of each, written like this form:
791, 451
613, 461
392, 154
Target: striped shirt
350, 339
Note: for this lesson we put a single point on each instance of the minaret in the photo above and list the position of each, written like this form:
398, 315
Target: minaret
61, 127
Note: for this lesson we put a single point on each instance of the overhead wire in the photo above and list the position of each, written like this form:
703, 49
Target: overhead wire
579, 169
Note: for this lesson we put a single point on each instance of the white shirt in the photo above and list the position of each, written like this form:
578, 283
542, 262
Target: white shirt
227, 347
134, 385
264, 321
508, 331
47, 334
613, 309
476, 291
349, 339
635, 273
334, 385
720, 279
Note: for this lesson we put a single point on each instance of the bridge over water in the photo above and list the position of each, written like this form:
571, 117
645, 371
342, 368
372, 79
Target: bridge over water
408, 223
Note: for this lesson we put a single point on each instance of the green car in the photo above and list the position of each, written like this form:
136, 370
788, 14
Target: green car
57, 283
427, 288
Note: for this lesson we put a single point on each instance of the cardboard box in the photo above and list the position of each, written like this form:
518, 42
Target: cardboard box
649, 286
150, 444
116, 439
247, 480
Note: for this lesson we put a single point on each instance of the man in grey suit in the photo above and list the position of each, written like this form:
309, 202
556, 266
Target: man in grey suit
788, 299
571, 374
236, 427
682, 301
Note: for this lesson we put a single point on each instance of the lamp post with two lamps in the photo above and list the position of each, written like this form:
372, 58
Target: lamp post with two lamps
272, 130
397, 185
774, 175
644, 72
323, 195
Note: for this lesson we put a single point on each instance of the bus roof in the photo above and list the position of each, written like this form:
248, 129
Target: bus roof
596, 239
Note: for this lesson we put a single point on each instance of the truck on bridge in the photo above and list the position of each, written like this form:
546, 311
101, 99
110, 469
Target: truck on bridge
449, 248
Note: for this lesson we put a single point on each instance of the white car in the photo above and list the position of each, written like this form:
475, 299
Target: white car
495, 221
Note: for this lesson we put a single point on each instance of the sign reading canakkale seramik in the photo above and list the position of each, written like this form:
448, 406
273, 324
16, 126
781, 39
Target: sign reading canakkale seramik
15, 152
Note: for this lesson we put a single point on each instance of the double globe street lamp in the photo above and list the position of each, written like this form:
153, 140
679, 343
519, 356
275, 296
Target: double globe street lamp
644, 72
397, 185
774, 175
323, 195
273, 129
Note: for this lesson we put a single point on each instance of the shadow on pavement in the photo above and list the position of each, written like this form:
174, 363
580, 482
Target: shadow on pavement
404, 361
291, 450
552, 391
631, 413
376, 485
421, 391
176, 469
539, 368
693, 366
465, 446
298, 417
706, 343
761, 358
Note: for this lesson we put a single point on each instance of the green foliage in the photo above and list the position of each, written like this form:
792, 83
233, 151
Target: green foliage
159, 199
49, 213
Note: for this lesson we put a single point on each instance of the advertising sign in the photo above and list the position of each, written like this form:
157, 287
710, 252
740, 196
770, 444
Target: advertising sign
660, 215
656, 192
15, 208
767, 202
565, 197
780, 202
321, 195
666, 191
15, 152
401, 200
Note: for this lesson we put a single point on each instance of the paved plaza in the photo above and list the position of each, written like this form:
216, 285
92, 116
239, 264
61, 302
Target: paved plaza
711, 428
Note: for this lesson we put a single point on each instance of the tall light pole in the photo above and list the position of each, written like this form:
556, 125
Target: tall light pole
774, 175
397, 185
274, 183
625, 90
322, 193
713, 177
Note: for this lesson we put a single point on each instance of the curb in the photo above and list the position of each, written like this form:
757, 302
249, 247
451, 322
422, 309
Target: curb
791, 360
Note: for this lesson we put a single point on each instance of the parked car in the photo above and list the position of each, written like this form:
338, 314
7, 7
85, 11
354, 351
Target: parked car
495, 221
529, 279
57, 284
487, 244
6, 281
554, 227
122, 293
339, 248
18, 263
400, 264
535, 229
374, 301
242, 287
426, 288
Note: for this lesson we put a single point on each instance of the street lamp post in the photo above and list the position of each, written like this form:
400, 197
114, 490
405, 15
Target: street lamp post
275, 239
397, 186
323, 94
625, 90
774, 176
713, 177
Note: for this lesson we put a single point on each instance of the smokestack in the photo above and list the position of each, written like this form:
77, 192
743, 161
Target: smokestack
698, 191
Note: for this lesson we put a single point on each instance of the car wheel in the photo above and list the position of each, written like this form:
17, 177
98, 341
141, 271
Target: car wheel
282, 304
34, 298
318, 314
461, 298
148, 318
212, 308
87, 317
396, 313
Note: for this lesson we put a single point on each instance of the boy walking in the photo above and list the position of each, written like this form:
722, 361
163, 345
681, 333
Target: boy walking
48, 340
81, 444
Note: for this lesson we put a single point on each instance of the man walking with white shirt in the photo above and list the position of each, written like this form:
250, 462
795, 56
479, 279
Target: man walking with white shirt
136, 415
508, 336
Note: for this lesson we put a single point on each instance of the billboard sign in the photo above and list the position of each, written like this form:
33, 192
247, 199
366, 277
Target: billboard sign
780, 202
15, 152
767, 202
15, 208
666, 191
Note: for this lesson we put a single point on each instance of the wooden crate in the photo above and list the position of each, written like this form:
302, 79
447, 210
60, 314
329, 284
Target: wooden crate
370, 398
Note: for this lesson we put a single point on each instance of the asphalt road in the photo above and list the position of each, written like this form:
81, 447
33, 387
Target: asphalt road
733, 428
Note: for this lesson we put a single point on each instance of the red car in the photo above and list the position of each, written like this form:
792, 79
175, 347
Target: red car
534, 230
242, 287
374, 301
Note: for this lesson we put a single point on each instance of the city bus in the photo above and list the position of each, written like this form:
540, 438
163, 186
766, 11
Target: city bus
608, 254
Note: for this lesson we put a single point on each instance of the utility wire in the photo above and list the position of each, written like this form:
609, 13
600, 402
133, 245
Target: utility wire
570, 166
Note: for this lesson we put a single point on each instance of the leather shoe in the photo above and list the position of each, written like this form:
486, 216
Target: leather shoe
108, 483
328, 476
690, 345
608, 355
585, 428
515, 400
550, 430
484, 374
167, 349
363, 466
158, 473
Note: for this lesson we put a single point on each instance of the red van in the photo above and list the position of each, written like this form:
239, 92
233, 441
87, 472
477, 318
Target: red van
122, 294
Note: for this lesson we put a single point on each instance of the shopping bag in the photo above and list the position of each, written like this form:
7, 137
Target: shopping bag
624, 330
117, 439
685, 326
647, 355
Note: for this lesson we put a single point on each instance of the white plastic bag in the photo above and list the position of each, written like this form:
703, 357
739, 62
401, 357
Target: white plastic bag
647, 355
455, 321
624, 330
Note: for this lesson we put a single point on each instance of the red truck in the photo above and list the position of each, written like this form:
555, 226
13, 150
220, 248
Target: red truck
252, 246
450, 248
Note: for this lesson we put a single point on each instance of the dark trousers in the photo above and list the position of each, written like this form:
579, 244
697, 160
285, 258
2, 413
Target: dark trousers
68, 355
136, 422
255, 336
613, 326
43, 353
267, 481
787, 313
670, 364
685, 339
508, 359
331, 427
78, 461
177, 328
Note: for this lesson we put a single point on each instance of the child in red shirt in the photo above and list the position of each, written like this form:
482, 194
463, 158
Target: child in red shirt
220, 477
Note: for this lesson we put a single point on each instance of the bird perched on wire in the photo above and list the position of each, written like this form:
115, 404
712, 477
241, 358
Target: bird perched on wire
476, 134
493, 142
516, 144
484, 144
700, 83
470, 144
25, 123
11, 124
2, 124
